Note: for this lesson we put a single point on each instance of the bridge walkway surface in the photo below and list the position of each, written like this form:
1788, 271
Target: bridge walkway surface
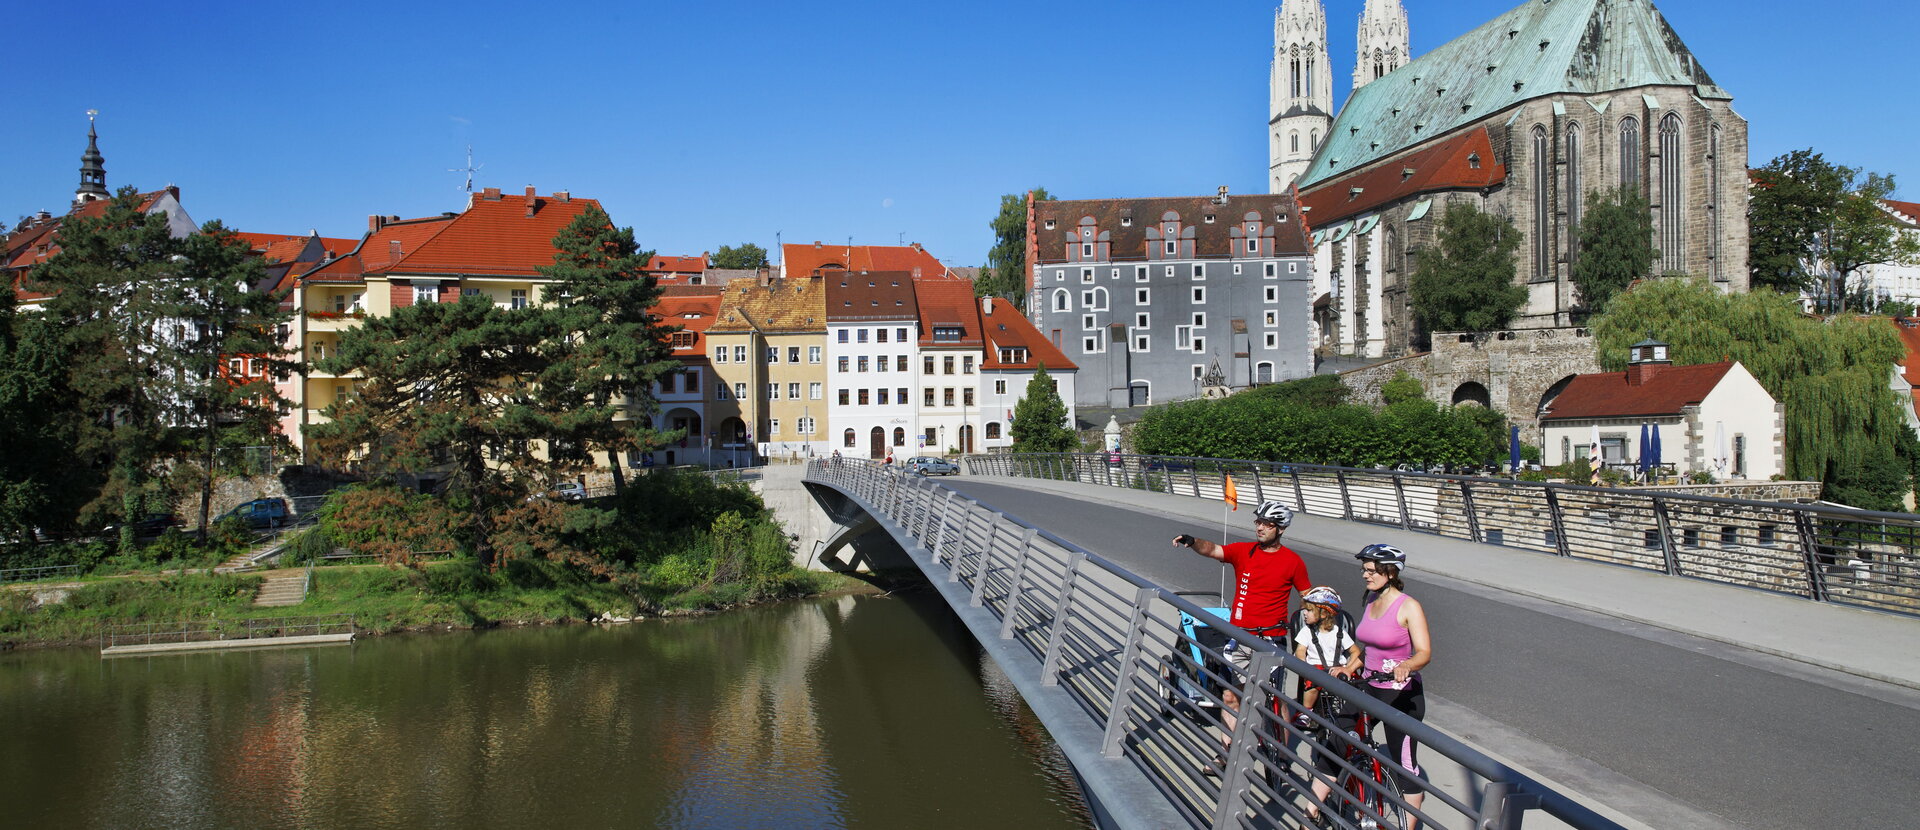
1090, 646
1661, 701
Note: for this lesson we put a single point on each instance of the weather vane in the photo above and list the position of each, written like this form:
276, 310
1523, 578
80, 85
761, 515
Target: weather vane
469, 169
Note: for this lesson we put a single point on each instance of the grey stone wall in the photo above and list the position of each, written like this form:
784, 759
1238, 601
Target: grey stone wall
1516, 368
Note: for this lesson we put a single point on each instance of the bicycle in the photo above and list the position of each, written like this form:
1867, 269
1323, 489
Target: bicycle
1371, 798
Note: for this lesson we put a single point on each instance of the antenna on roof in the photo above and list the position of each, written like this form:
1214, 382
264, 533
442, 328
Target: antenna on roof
901, 238
469, 169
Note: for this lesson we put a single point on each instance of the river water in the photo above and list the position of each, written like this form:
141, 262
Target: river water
855, 711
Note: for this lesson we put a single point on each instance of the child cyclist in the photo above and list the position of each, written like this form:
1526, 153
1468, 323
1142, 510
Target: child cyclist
1325, 641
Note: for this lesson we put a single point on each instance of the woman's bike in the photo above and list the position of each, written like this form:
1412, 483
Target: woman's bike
1366, 793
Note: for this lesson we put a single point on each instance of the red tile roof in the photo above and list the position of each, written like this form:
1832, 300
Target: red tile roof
273, 246
1007, 328
494, 236
674, 311
376, 252
25, 249
801, 259
870, 295
1909, 330
1909, 211
1608, 395
948, 303
677, 264
1443, 165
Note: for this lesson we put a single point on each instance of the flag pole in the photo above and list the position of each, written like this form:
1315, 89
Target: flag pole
1224, 506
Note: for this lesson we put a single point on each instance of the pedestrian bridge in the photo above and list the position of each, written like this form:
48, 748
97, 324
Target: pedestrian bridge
1679, 703
1088, 643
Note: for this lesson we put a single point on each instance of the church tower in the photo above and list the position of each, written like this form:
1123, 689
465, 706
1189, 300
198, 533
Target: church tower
1383, 41
1300, 92
93, 168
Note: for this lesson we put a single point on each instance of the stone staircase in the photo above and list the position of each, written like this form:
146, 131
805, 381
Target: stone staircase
282, 590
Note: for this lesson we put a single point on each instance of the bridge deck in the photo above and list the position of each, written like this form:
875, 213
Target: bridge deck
1674, 701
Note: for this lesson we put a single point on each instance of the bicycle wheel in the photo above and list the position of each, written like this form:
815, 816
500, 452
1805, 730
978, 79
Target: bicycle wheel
1375, 804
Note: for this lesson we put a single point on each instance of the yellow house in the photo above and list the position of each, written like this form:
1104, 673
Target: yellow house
767, 347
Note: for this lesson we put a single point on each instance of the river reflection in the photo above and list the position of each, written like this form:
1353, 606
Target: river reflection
844, 712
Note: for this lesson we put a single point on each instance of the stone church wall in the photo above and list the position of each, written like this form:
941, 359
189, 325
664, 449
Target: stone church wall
1513, 369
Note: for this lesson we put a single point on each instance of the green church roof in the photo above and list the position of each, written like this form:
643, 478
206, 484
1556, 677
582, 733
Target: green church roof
1542, 47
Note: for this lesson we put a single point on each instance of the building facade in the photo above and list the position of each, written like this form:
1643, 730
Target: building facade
1156, 299
873, 327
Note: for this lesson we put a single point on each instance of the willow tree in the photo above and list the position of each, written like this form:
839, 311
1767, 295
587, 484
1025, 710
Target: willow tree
1843, 422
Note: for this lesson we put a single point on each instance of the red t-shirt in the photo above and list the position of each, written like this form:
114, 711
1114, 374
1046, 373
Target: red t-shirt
1260, 583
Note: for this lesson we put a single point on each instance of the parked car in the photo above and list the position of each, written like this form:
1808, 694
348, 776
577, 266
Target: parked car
928, 465
564, 491
258, 513
150, 525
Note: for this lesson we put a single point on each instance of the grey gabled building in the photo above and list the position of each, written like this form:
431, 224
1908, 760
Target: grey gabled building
1156, 299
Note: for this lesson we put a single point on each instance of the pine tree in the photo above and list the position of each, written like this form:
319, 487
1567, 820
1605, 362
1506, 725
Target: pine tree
41, 486
1616, 245
1465, 281
234, 324
452, 388
115, 301
1040, 418
619, 349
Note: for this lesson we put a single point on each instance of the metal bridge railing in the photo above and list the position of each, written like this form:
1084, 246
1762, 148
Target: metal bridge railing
1111, 642
197, 631
1821, 552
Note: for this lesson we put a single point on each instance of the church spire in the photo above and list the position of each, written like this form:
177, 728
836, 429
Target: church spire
93, 168
1300, 92
1382, 41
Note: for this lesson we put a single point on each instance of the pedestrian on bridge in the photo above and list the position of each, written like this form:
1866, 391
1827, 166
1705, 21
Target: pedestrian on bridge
1265, 575
1393, 630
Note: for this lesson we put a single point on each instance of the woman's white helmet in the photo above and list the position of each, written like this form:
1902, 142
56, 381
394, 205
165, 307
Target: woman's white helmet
1273, 511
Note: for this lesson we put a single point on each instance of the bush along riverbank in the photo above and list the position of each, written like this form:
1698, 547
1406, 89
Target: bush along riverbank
669, 544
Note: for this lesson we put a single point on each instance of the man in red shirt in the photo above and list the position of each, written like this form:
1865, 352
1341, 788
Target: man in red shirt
1264, 573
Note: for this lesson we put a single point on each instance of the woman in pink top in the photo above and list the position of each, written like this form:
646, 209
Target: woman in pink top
1393, 629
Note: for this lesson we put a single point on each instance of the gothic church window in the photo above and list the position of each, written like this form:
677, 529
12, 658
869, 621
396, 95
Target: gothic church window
1673, 195
1629, 151
1713, 203
1574, 194
1542, 171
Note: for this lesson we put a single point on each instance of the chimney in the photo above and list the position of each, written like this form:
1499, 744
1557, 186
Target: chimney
1222, 198
393, 248
563, 196
531, 201
376, 222
491, 194
986, 306
1645, 359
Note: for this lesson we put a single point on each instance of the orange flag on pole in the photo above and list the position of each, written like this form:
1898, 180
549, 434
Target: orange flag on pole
1232, 495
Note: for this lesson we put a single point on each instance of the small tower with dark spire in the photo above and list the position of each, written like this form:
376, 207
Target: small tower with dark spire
93, 168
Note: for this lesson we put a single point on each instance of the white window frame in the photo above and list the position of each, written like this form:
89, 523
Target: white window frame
1062, 299
1200, 320
1140, 273
1169, 272
1142, 341
1183, 337
813, 354
1142, 296
1270, 317
720, 354
793, 390
1293, 267
740, 354
1273, 270
1059, 275
1273, 293
423, 294
1200, 294
773, 426
1273, 340
1199, 270
1236, 269
1199, 344
1143, 320
1089, 322
1086, 275
814, 391
1092, 345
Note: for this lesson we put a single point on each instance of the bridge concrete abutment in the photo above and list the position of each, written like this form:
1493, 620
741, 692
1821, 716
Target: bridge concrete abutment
830, 532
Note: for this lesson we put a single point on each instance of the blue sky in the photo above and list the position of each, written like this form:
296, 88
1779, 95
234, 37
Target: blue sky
717, 123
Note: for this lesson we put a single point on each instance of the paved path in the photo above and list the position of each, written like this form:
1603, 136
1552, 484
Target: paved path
1676, 702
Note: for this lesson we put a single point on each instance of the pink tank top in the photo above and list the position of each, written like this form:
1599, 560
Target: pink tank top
1387, 642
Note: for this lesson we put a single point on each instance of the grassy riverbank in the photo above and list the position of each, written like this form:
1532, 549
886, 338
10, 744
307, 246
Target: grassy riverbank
457, 594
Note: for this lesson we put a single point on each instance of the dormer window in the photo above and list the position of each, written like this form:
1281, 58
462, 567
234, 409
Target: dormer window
1473, 160
1049, 224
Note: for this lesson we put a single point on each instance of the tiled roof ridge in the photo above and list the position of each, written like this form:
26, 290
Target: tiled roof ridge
1231, 198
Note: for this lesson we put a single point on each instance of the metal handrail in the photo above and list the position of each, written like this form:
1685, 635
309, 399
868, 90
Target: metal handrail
1093, 631
192, 631
32, 574
1823, 552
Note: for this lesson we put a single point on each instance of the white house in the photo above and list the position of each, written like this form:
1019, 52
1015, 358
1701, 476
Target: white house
1712, 417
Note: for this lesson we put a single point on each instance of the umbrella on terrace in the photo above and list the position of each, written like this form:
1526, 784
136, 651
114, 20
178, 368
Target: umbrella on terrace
1654, 465
1513, 449
1720, 447
1646, 449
